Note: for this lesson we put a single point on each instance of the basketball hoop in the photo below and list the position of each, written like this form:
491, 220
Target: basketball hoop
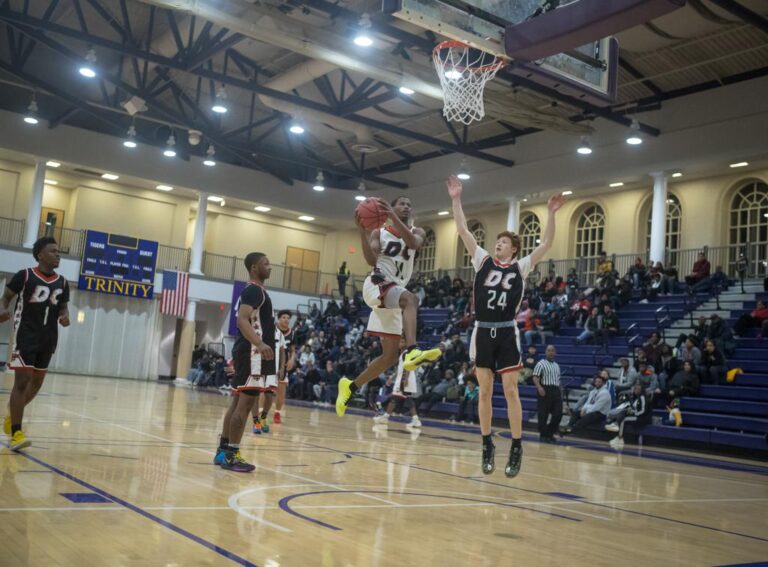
463, 72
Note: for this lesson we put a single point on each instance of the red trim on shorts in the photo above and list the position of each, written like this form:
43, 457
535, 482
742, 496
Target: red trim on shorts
380, 334
510, 369
383, 290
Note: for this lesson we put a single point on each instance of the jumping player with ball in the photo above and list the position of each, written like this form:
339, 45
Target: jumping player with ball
390, 250
495, 344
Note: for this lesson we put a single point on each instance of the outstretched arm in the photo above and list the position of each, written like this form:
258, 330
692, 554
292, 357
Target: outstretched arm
554, 204
454, 190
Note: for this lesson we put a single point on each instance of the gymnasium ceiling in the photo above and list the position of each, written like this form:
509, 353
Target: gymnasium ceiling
175, 62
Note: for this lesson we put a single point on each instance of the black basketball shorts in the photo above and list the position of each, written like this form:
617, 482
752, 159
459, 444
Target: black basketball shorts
251, 370
33, 354
497, 349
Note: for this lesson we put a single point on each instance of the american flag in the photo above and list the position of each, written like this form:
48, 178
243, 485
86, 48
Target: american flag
175, 290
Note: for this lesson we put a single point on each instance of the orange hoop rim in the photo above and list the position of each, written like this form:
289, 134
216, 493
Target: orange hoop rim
448, 44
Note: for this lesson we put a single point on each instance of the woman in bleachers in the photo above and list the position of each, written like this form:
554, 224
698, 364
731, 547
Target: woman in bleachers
591, 326
712, 369
685, 382
689, 352
758, 317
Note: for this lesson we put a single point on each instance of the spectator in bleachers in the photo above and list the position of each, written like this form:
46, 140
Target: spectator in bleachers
689, 352
638, 272
307, 356
468, 402
668, 365
701, 270
660, 280
463, 373
591, 325
604, 268
580, 310
330, 382
758, 317
721, 334
341, 277
572, 283
438, 392
649, 379
652, 349
550, 326
712, 369
532, 327
522, 315
717, 281
530, 359
312, 378
627, 376
685, 382
609, 326
455, 353
595, 409
635, 413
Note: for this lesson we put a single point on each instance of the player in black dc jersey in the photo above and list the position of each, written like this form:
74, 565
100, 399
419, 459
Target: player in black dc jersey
40, 308
495, 347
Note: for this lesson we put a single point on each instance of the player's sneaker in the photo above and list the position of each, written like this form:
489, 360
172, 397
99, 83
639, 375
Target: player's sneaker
7, 425
514, 462
257, 427
616, 443
19, 441
613, 426
276, 418
234, 462
381, 419
415, 357
415, 421
264, 425
489, 451
220, 455
343, 397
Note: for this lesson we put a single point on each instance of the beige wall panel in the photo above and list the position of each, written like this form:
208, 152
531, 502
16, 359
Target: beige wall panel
9, 189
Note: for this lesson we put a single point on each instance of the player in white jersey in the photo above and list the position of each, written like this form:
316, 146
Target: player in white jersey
405, 390
390, 251
269, 384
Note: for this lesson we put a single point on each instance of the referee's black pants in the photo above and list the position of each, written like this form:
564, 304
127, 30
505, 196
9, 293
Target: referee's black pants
550, 405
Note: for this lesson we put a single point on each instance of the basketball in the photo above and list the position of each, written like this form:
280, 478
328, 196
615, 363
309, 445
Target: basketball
370, 214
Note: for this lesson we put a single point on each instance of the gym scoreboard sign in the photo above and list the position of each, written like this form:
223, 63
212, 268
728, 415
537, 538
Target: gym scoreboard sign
118, 265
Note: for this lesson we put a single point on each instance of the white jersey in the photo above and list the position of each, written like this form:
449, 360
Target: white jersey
280, 343
395, 260
405, 381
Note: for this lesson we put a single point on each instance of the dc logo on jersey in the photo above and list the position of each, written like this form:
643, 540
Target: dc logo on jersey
494, 278
43, 293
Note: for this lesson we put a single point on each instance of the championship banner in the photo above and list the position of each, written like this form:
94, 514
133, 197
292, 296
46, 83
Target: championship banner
118, 265
237, 289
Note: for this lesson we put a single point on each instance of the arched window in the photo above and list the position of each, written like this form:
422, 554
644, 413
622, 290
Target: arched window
673, 229
530, 233
590, 230
426, 260
748, 228
478, 231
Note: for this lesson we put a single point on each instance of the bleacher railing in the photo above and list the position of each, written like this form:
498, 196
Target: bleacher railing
173, 258
11, 231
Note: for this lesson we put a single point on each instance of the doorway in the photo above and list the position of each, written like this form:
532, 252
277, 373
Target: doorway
302, 270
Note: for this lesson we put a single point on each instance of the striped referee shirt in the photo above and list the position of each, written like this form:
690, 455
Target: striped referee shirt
548, 372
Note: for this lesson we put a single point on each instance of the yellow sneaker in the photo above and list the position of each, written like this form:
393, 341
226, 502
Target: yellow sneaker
19, 441
342, 399
415, 357
7, 425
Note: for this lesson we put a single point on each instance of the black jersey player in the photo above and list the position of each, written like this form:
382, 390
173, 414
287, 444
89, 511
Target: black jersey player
41, 307
495, 346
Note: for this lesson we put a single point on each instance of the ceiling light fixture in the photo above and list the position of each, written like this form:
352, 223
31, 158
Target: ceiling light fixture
319, 182
53, 164
215, 199
567, 192
525, 199
88, 68
51, 182
739, 164
306, 218
363, 36
463, 171
617, 184
443, 213
584, 148
677, 174
130, 140
360, 197
262, 209
453, 74
296, 128
634, 138
220, 102
406, 91
31, 116
164, 188
170, 147
110, 176
210, 154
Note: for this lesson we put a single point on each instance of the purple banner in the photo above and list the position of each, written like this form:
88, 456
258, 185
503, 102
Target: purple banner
237, 289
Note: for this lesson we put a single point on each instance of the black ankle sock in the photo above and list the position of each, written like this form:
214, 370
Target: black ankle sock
353, 387
223, 442
264, 415
14, 429
410, 348
487, 439
517, 442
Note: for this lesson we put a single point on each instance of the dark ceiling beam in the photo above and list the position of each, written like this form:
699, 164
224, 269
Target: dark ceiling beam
629, 68
743, 13
214, 49
20, 20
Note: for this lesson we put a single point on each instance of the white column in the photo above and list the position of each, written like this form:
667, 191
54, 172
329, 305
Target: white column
191, 310
659, 217
513, 215
196, 259
35, 205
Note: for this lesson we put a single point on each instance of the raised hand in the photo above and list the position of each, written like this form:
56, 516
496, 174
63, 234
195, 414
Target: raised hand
454, 187
555, 202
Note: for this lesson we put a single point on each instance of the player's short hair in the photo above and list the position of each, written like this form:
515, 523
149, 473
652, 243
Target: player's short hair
514, 238
284, 312
252, 259
396, 199
41, 243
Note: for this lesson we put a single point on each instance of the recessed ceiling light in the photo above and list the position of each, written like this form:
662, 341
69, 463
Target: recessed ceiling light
406, 91
51, 182
740, 164
567, 193
164, 188
296, 128
262, 209
525, 199
110, 176
306, 218
215, 199
677, 174
360, 198
52, 164
443, 213
453, 74
617, 184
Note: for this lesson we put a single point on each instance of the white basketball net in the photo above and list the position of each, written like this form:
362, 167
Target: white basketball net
463, 73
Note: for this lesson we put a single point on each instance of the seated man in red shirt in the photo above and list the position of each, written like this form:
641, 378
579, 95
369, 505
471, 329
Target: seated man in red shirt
757, 318
700, 271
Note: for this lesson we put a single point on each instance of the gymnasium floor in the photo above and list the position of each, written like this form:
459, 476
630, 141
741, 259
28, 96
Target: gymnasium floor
120, 474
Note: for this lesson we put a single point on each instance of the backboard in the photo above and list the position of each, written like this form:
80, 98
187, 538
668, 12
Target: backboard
564, 45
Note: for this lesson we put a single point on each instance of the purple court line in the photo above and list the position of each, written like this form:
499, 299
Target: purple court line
133, 508
285, 503
338, 462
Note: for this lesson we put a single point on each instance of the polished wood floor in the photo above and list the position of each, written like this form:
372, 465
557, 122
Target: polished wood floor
120, 474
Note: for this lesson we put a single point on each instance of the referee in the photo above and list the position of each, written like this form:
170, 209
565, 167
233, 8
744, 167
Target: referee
546, 377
